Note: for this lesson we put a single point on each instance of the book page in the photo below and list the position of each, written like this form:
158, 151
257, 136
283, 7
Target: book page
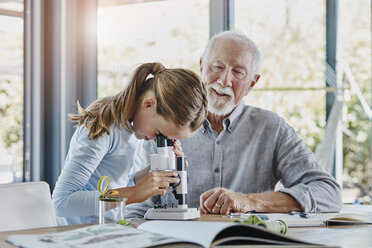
210, 234
351, 218
202, 232
110, 235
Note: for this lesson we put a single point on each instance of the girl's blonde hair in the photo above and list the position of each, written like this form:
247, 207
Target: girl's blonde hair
180, 95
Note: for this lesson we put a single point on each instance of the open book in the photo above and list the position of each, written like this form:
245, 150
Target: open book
314, 219
155, 233
211, 234
350, 219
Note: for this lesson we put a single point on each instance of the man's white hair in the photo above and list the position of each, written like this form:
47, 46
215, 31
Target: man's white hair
236, 35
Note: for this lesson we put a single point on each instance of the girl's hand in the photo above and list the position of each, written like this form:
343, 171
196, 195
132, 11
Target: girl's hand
153, 183
177, 148
149, 184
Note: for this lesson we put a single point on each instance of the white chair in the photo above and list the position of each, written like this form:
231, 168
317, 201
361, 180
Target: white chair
25, 206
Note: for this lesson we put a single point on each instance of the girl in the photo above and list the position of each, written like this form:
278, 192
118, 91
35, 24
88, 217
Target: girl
158, 100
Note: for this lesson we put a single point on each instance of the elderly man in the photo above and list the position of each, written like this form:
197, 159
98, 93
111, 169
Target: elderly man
240, 153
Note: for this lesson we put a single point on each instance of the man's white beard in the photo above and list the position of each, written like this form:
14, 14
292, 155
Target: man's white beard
220, 105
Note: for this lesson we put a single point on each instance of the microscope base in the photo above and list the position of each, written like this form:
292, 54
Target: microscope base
172, 214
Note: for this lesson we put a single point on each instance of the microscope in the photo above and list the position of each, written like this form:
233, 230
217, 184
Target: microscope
173, 205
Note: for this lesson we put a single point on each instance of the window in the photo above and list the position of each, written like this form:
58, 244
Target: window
171, 32
355, 53
291, 38
11, 91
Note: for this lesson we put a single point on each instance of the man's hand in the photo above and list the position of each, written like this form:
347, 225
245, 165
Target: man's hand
224, 201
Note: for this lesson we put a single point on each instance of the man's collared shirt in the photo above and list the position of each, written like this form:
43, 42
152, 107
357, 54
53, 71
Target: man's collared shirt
254, 151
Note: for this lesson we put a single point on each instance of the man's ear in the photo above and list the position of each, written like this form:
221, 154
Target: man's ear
255, 80
149, 102
201, 64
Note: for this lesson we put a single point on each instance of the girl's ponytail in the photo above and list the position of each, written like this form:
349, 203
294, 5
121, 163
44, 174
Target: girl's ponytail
180, 95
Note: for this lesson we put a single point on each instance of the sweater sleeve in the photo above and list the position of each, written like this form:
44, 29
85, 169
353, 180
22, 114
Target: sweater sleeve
71, 197
141, 159
302, 176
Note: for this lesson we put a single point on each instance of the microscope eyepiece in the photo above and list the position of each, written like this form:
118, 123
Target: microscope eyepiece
161, 140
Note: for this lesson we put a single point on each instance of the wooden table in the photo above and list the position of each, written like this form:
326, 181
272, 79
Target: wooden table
345, 236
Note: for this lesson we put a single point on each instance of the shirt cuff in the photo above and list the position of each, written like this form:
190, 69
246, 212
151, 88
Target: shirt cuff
131, 180
302, 195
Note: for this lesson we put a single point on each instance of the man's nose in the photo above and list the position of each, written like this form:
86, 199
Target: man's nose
225, 79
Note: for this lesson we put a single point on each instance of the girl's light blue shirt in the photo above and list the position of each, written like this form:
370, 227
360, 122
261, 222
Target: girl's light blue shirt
75, 196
